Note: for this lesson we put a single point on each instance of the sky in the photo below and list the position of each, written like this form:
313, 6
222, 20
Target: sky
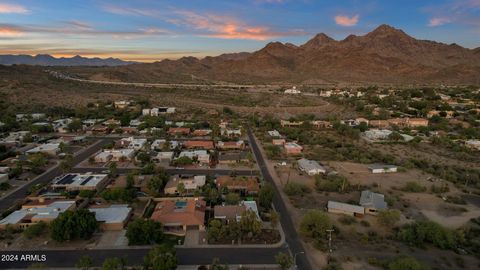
151, 30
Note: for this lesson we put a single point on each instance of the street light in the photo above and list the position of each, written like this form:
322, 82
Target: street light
295, 258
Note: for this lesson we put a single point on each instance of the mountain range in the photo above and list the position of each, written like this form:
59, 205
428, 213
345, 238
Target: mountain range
48, 60
385, 55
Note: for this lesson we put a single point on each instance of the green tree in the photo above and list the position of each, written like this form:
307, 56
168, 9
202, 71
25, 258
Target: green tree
217, 266
37, 161
284, 260
71, 225
388, 218
406, 263
181, 188
314, 224
75, 125
265, 196
84, 263
113, 169
144, 232
112, 264
232, 198
161, 258
157, 183
250, 226
274, 219
35, 230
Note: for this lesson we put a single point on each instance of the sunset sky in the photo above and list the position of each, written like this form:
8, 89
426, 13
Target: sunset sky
149, 30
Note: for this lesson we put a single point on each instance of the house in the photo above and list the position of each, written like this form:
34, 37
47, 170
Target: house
278, 141
103, 157
372, 202
33, 116
133, 143
207, 145
232, 157
235, 145
201, 132
377, 134
230, 213
229, 132
179, 131
201, 155
190, 184
382, 168
345, 208
51, 149
158, 111
274, 133
163, 156
121, 154
17, 137
321, 124
111, 122
158, 144
286, 123
379, 123
45, 211
244, 185
293, 90
122, 104
140, 182
310, 167
180, 214
113, 217
61, 125
76, 182
292, 148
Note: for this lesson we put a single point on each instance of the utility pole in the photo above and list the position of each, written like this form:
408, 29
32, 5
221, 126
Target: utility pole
330, 240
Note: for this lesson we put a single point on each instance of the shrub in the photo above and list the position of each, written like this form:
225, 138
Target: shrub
413, 187
388, 218
296, 189
35, 230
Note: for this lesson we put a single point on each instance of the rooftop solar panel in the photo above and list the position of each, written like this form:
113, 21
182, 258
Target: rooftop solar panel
86, 180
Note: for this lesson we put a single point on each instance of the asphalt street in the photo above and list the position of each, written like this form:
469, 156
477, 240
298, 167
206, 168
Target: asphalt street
19, 194
291, 236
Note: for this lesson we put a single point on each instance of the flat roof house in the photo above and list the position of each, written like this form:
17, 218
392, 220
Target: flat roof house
232, 157
382, 168
180, 214
235, 212
345, 208
51, 149
243, 184
179, 131
28, 216
163, 156
121, 154
201, 155
113, 217
190, 183
207, 145
292, 148
372, 202
201, 132
235, 145
71, 182
103, 157
310, 167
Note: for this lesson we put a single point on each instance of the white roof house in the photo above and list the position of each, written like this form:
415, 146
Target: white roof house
311, 167
157, 144
274, 133
292, 90
73, 181
202, 155
112, 215
164, 156
382, 168
190, 183
103, 157
48, 148
118, 154
48, 212
135, 143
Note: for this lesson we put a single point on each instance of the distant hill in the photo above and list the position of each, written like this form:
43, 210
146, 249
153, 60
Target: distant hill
48, 60
385, 55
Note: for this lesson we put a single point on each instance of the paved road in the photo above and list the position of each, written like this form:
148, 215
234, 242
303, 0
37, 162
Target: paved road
173, 171
186, 256
46, 177
291, 236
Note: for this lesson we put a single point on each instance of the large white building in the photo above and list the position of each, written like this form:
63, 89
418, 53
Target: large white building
310, 167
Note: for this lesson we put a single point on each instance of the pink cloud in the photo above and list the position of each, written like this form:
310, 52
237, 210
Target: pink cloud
12, 8
438, 21
219, 26
344, 20
9, 32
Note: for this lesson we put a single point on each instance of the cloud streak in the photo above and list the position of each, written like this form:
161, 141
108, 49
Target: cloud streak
6, 8
344, 20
